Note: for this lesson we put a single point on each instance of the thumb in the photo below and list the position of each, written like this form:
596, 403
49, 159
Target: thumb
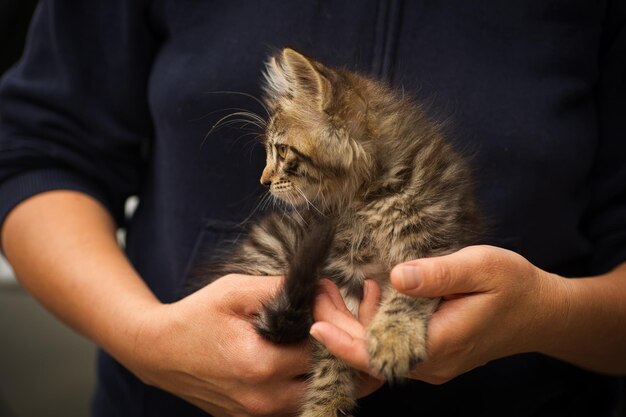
457, 273
245, 294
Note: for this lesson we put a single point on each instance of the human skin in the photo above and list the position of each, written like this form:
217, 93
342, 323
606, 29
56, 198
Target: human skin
495, 304
202, 348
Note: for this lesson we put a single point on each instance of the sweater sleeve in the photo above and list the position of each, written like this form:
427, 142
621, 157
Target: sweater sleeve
606, 223
73, 111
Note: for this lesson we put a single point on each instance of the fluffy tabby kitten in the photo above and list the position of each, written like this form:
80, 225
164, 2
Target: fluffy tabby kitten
372, 183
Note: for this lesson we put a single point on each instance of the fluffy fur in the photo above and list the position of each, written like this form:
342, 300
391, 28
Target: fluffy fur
371, 182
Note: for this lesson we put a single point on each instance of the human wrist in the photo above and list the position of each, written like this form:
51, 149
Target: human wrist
551, 315
125, 334
590, 332
551, 319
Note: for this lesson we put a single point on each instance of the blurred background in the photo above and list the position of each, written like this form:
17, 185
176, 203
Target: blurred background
45, 368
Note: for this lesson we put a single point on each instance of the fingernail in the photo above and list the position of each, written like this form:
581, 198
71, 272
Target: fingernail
314, 331
409, 277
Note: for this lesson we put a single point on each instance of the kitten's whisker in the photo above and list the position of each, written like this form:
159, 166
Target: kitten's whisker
222, 124
321, 196
228, 124
291, 201
282, 205
252, 118
271, 203
241, 109
295, 210
277, 204
308, 202
243, 126
264, 197
243, 136
257, 121
242, 94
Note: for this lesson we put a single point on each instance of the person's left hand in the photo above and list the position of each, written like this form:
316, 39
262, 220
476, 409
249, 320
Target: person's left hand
495, 304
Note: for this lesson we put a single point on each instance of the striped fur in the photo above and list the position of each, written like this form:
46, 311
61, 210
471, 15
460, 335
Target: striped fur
371, 182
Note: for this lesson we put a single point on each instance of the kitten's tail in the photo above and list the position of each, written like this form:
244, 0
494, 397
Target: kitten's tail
288, 316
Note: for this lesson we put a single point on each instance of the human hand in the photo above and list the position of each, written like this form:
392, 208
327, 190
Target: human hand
202, 348
205, 350
330, 304
495, 304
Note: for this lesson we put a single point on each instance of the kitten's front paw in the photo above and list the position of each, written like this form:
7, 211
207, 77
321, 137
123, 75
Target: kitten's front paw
394, 348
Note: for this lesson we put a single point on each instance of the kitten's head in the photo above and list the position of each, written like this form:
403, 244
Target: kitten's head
316, 137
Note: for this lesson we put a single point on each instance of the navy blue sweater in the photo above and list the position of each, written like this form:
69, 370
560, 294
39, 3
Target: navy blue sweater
113, 98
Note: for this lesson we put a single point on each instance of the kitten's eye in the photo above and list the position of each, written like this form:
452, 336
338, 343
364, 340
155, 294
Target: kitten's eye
281, 150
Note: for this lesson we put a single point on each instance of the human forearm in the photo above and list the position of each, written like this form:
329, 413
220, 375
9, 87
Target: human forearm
590, 331
62, 247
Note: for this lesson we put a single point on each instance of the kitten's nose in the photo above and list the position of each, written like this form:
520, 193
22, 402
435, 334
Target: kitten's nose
266, 176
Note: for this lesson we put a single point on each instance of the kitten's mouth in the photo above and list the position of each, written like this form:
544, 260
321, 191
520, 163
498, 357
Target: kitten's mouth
281, 186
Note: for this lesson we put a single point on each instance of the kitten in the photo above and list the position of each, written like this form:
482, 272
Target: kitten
372, 183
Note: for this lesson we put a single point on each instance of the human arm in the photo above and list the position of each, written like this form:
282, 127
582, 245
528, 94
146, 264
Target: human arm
63, 249
497, 304
74, 116
508, 305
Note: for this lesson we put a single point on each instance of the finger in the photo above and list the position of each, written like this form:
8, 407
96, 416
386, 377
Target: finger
331, 290
326, 310
341, 344
370, 303
244, 294
259, 356
459, 273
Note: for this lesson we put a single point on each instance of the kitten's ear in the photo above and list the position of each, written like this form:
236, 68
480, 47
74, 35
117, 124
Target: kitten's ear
308, 81
291, 73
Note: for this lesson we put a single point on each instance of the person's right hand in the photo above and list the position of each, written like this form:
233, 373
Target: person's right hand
205, 350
